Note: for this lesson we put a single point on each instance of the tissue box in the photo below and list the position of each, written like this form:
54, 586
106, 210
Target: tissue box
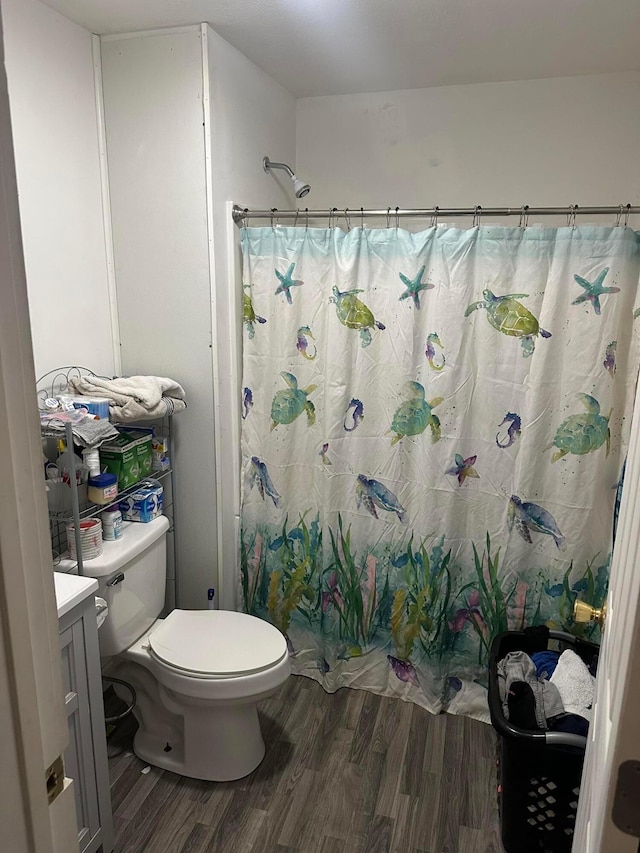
129, 456
143, 505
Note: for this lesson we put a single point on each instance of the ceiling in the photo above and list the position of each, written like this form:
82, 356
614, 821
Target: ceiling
332, 47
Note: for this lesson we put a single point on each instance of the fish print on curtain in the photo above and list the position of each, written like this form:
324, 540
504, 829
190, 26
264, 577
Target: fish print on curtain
434, 426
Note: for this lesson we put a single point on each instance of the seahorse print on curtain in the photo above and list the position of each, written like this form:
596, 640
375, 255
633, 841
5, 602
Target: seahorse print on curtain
434, 426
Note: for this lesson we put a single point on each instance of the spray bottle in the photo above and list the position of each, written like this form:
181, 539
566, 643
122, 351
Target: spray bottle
65, 464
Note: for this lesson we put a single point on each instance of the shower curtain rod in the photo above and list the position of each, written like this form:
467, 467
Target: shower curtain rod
622, 212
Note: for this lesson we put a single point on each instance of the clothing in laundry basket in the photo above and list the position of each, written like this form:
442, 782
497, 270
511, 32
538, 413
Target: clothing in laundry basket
575, 684
572, 724
545, 662
522, 705
518, 666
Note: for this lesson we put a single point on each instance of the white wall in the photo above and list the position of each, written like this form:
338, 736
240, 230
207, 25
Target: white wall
172, 311
537, 142
153, 97
251, 116
53, 117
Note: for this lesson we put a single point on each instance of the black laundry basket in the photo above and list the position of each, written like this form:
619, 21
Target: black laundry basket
539, 772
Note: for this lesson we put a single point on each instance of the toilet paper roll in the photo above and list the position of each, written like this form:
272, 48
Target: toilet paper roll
102, 609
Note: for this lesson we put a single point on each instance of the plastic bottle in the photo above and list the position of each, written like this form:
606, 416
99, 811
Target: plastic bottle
65, 463
111, 523
91, 459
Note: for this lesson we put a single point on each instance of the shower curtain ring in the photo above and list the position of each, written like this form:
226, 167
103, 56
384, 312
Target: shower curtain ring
347, 220
330, 218
476, 216
627, 215
388, 216
295, 221
619, 215
306, 211
273, 212
397, 218
434, 217
362, 217
571, 216
524, 216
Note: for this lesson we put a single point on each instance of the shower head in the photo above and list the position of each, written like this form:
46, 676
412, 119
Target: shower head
300, 188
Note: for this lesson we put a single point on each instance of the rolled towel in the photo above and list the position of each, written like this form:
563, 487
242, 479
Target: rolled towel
575, 684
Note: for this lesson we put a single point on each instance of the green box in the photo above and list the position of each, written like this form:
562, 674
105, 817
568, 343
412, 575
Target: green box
129, 457
144, 454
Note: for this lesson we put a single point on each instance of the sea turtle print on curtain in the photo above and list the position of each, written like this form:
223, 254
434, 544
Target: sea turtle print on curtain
424, 468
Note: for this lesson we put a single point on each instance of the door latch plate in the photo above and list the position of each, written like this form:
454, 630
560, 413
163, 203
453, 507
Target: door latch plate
54, 778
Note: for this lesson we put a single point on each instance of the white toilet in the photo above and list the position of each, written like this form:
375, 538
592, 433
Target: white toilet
198, 674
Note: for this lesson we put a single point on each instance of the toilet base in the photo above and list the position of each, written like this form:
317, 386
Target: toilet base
217, 744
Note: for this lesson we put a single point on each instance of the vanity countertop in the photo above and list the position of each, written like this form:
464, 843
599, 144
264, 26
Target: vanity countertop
71, 590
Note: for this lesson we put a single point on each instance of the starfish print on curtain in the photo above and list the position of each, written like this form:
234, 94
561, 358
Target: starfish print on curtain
400, 508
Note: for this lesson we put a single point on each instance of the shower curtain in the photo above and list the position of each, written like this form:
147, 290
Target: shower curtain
434, 428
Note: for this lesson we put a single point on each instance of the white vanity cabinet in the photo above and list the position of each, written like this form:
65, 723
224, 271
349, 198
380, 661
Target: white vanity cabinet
86, 755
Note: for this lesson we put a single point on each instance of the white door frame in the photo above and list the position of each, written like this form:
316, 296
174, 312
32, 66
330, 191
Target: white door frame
32, 720
613, 735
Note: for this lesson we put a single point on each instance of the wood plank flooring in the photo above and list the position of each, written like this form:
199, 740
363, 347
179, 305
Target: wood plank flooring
347, 772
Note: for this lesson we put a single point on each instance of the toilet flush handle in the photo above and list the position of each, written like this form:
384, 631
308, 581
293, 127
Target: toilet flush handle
117, 579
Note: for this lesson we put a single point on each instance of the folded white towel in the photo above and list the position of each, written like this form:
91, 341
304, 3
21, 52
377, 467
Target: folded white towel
134, 398
575, 684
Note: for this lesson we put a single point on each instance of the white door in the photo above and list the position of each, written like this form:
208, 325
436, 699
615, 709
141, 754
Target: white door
32, 721
615, 732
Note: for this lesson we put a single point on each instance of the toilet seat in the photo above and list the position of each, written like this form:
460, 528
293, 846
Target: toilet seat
216, 644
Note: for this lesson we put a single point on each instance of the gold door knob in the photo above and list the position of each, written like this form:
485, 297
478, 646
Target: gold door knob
583, 612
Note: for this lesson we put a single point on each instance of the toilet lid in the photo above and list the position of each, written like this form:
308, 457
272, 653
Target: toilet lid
217, 642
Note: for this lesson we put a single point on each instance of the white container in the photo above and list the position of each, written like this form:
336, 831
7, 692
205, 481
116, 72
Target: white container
90, 539
111, 524
102, 489
91, 459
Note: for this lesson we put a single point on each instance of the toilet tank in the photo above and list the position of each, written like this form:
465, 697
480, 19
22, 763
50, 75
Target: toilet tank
135, 600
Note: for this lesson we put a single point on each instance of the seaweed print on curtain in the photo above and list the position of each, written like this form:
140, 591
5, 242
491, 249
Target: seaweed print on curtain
434, 425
